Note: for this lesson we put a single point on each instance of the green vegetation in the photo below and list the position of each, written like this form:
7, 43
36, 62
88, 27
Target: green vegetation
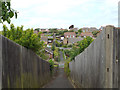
77, 49
61, 33
26, 38
95, 33
66, 66
0, 32
80, 31
53, 30
71, 31
65, 46
58, 44
7, 12
56, 54
51, 65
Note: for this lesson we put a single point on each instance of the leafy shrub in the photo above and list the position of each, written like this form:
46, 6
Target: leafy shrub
51, 65
66, 67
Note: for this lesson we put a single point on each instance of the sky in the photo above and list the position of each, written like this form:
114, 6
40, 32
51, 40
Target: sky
63, 13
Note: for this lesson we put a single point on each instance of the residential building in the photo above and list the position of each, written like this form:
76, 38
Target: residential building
74, 40
49, 52
69, 34
84, 34
101, 28
85, 29
45, 39
44, 30
61, 29
50, 39
62, 38
42, 35
65, 41
91, 29
74, 29
36, 31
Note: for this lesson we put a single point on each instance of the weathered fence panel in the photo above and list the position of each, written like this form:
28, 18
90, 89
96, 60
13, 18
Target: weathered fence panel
20, 67
0, 62
97, 66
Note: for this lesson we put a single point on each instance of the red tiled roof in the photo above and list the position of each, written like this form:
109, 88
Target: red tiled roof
86, 34
69, 33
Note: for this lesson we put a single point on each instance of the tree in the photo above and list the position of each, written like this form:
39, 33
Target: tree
25, 38
76, 32
6, 11
51, 65
80, 31
71, 31
72, 53
53, 30
95, 33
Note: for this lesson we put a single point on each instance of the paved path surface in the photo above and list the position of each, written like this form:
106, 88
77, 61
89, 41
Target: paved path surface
61, 56
61, 81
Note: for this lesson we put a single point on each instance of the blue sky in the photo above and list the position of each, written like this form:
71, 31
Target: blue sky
63, 13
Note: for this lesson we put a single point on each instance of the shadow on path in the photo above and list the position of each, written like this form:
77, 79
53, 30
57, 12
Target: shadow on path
61, 81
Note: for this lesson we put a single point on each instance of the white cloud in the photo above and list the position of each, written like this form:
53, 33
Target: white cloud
62, 13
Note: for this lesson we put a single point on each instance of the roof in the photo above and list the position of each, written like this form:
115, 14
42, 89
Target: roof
85, 28
74, 40
44, 38
49, 50
69, 33
61, 29
86, 34
42, 35
50, 36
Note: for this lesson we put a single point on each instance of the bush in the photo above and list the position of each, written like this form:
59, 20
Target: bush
70, 45
66, 67
26, 38
65, 46
51, 65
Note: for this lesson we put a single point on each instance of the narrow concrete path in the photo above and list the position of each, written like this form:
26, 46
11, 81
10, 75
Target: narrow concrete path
61, 81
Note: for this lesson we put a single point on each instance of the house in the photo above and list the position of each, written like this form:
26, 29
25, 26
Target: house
91, 29
62, 38
85, 34
69, 34
85, 29
74, 29
101, 28
45, 39
65, 41
36, 31
49, 52
42, 35
61, 29
74, 40
49, 46
44, 30
50, 39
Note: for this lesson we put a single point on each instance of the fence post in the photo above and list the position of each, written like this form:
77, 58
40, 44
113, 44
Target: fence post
118, 57
0, 62
109, 56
